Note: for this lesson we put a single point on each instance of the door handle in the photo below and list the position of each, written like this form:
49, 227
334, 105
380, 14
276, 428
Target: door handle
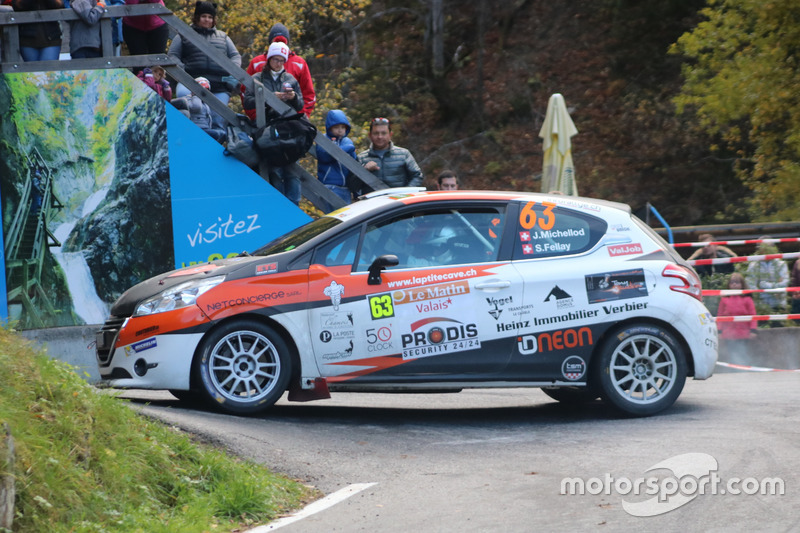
494, 284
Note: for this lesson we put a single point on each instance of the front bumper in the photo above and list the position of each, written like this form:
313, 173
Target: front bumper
150, 352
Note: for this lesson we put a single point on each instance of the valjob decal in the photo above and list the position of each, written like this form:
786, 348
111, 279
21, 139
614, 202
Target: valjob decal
616, 286
625, 249
437, 336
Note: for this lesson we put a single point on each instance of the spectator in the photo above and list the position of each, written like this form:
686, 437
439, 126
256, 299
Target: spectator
769, 274
392, 164
84, 34
329, 170
735, 336
447, 181
198, 64
198, 112
795, 282
737, 305
275, 79
712, 251
155, 79
295, 65
39, 41
145, 34
284, 86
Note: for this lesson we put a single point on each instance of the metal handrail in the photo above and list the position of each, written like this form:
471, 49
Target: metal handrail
11, 61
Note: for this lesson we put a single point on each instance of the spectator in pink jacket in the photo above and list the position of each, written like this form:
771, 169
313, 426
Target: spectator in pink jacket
155, 79
737, 305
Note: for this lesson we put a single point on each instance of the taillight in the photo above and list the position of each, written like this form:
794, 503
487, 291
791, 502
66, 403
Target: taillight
690, 283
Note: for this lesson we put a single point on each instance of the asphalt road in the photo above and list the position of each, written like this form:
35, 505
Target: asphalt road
497, 460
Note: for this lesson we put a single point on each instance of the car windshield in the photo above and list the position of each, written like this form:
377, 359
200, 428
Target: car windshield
298, 236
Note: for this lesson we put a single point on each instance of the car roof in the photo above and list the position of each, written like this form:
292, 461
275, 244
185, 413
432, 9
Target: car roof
387, 199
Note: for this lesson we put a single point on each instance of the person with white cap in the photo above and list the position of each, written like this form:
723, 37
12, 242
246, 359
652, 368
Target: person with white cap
277, 80
295, 65
284, 86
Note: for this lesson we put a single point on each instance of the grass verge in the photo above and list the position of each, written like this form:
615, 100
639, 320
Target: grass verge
85, 462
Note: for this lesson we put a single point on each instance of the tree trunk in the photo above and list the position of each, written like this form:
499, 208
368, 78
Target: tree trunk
437, 37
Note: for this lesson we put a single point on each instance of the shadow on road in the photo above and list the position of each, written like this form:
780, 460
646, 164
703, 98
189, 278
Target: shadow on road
410, 411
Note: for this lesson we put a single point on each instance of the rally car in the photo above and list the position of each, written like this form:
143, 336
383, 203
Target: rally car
407, 290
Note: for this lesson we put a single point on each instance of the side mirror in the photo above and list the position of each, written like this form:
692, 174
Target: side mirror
380, 264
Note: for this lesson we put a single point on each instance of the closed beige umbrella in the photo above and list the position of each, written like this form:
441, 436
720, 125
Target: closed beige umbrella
558, 172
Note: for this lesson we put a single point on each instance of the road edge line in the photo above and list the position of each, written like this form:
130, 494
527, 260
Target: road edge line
318, 506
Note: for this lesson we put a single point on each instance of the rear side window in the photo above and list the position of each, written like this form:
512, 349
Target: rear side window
547, 230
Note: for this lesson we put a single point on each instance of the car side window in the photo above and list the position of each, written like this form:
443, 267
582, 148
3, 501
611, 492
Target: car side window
547, 230
339, 251
438, 237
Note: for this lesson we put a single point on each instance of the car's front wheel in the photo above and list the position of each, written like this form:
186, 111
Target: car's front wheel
243, 367
641, 369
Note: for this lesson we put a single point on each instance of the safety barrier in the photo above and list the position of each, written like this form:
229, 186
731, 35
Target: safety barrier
750, 368
745, 259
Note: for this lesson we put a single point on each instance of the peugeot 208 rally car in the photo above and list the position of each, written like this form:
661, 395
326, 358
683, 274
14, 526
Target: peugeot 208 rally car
425, 291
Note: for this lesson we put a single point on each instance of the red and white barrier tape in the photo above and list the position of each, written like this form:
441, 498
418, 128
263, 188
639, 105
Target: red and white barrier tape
733, 243
748, 318
757, 368
734, 292
743, 259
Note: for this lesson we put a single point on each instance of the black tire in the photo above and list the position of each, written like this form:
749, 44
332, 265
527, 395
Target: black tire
243, 367
641, 369
572, 395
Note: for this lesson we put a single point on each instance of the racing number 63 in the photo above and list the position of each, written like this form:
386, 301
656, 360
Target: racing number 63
528, 218
381, 306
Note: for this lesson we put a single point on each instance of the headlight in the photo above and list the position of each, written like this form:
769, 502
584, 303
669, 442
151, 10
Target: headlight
177, 296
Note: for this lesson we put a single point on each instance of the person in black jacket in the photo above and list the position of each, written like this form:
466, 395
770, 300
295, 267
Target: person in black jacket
39, 41
712, 251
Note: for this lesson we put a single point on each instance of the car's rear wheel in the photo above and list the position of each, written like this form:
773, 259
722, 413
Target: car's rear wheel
641, 369
243, 367
572, 395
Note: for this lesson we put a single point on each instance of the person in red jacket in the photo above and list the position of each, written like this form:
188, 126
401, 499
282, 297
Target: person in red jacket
737, 305
295, 65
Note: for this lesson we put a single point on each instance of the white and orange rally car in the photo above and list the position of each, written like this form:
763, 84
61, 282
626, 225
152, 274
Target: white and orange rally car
407, 290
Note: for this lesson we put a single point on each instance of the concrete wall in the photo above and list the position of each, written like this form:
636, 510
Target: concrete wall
777, 348
774, 348
73, 345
